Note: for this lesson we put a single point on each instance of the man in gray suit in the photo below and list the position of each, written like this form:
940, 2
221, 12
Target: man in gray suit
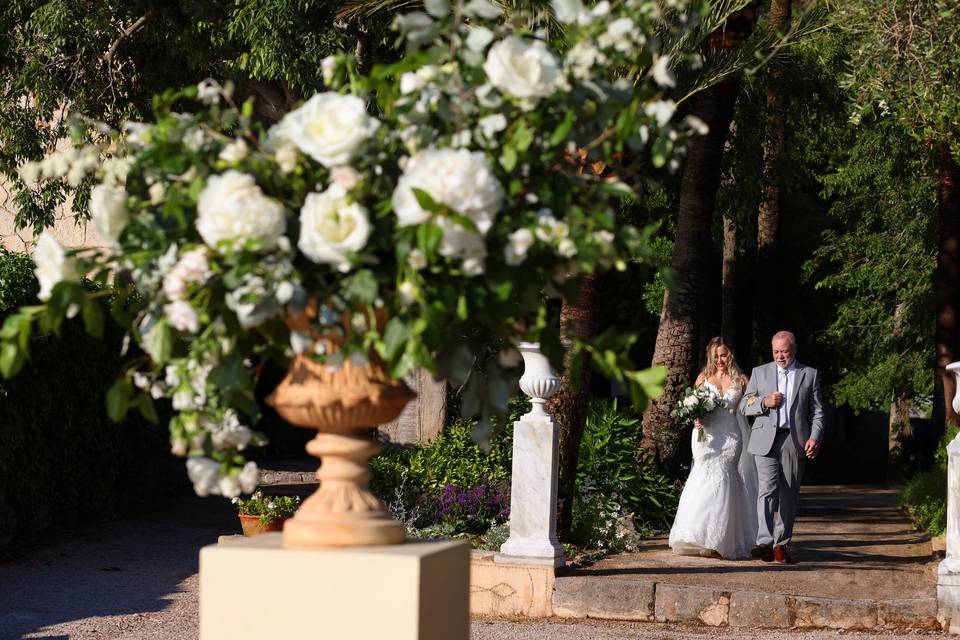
783, 397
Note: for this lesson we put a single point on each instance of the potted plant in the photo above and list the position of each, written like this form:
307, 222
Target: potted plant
354, 245
260, 514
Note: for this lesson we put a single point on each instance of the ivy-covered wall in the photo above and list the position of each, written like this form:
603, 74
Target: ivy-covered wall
62, 461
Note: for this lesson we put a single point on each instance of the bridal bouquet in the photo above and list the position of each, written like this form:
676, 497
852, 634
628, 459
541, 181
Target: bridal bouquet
419, 211
696, 404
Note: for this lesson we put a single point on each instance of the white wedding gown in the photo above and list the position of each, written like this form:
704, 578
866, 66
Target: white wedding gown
718, 506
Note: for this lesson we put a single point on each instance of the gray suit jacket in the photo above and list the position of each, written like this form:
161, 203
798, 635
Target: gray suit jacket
806, 407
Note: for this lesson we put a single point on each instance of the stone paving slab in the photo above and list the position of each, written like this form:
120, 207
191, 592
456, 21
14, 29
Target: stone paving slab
861, 566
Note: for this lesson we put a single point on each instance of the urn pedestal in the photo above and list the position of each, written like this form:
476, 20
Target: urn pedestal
948, 573
535, 472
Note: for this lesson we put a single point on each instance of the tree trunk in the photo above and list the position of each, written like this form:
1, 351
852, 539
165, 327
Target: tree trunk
676, 345
728, 308
768, 212
570, 404
947, 283
677, 341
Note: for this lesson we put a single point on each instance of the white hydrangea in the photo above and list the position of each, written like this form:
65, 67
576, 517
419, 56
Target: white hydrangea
108, 210
204, 473
232, 209
522, 69
227, 433
332, 226
329, 127
52, 265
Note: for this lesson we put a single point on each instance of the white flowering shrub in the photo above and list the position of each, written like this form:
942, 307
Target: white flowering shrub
444, 193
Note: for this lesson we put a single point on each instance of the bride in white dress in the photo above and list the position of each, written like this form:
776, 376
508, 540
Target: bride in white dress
717, 515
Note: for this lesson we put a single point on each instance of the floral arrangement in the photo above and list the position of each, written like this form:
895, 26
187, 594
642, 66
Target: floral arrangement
269, 508
695, 404
418, 213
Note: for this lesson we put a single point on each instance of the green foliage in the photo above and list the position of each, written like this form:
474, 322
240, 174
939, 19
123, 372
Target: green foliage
925, 494
612, 484
877, 263
108, 59
62, 460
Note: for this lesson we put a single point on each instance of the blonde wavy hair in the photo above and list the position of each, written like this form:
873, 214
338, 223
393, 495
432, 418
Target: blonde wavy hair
710, 368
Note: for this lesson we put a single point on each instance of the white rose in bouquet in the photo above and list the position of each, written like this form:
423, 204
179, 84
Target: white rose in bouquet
523, 69
233, 209
52, 265
331, 226
460, 179
329, 127
108, 209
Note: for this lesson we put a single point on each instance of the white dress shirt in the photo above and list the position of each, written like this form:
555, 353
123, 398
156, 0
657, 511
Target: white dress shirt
785, 386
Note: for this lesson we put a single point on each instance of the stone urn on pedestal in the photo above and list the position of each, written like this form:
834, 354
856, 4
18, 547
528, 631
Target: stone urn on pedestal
535, 473
948, 574
343, 403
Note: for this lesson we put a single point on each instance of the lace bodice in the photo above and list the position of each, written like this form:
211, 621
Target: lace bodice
730, 398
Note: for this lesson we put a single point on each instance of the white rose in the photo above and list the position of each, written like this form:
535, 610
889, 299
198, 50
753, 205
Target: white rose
329, 127
460, 179
519, 242
229, 486
182, 316
690, 401
204, 473
235, 151
108, 209
522, 69
331, 227
491, 125
52, 265
232, 209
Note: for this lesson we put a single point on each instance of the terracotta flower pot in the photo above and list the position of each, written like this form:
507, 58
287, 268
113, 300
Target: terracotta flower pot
251, 524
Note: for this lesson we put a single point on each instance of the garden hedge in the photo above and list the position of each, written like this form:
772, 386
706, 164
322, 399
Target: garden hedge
62, 461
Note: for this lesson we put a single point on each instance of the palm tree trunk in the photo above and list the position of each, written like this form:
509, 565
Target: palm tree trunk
570, 404
768, 213
676, 345
728, 310
947, 283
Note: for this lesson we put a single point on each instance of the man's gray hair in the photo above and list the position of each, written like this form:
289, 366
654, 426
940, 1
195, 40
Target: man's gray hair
785, 335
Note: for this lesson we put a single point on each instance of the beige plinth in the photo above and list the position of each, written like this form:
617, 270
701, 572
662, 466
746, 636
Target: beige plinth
505, 589
255, 588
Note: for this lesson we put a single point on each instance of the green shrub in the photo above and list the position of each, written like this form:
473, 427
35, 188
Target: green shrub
611, 483
925, 494
61, 459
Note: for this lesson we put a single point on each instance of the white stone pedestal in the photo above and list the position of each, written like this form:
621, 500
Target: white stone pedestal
948, 573
254, 588
533, 494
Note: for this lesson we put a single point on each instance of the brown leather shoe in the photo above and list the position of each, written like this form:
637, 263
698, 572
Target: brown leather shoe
762, 552
781, 556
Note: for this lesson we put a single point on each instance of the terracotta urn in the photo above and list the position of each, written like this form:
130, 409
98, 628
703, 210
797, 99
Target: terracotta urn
343, 403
